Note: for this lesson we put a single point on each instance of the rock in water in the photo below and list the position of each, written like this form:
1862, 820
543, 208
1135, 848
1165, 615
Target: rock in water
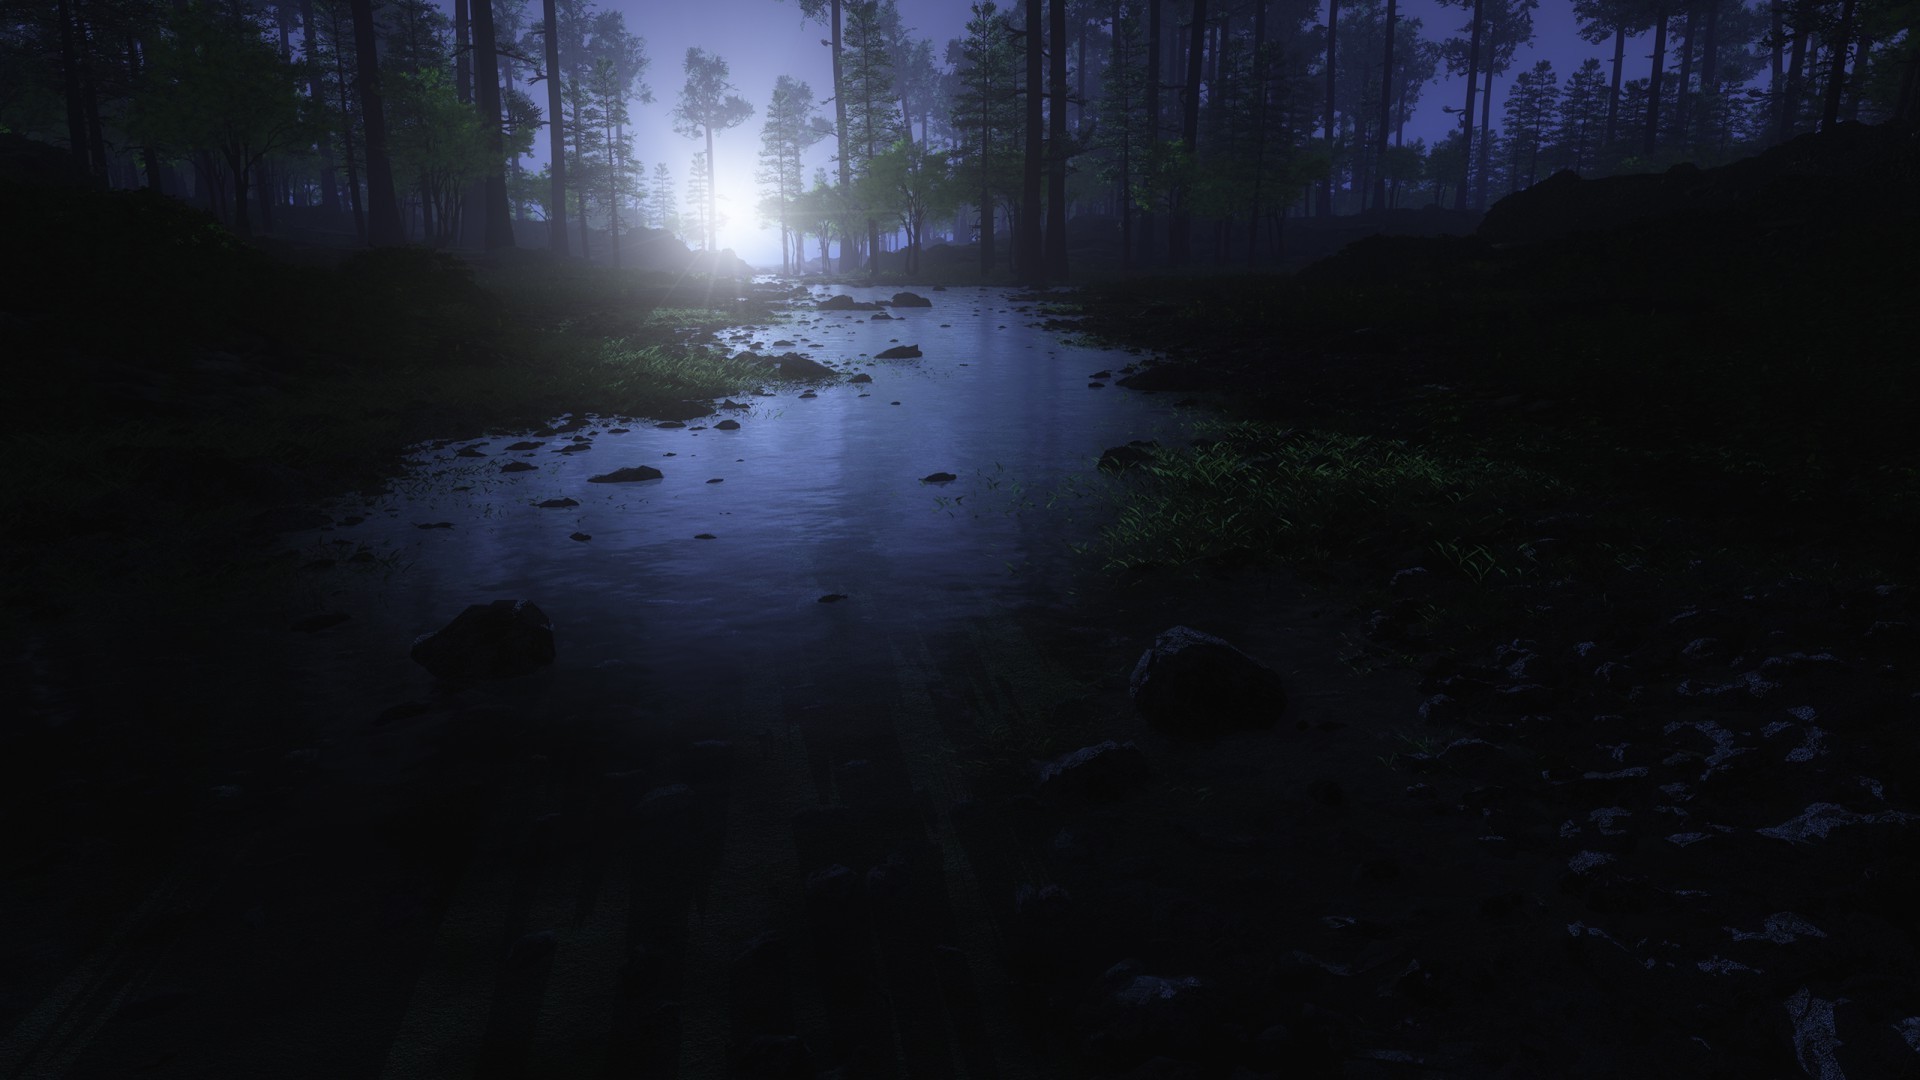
899, 352
1196, 682
938, 478
1137, 452
488, 641
1107, 770
843, 302
627, 475
907, 299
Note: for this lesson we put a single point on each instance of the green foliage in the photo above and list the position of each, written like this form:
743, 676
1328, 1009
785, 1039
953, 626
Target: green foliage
1256, 491
790, 129
986, 111
436, 140
215, 83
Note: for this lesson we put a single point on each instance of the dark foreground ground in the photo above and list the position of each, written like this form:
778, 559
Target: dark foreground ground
1582, 559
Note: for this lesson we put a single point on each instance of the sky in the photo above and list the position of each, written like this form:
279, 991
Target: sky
763, 39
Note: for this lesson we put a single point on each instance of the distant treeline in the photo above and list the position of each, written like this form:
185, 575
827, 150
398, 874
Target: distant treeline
1179, 132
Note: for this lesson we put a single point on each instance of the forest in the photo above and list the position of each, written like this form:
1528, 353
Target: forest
1154, 135
1122, 540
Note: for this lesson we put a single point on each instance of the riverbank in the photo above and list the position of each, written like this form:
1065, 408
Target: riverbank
177, 397
1633, 507
1595, 758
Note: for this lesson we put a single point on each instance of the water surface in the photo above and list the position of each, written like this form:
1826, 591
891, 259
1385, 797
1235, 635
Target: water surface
810, 497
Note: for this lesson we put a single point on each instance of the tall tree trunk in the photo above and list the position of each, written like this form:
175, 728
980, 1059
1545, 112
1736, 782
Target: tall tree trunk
346, 144
556, 138
1153, 123
496, 222
90, 105
1180, 224
1683, 98
149, 157
1259, 129
517, 209
1796, 63
1032, 267
242, 223
1079, 81
1652, 136
1460, 195
1386, 114
1710, 77
986, 190
329, 189
713, 181
1860, 51
1613, 93
1486, 120
383, 208
839, 130
70, 86
1777, 76
1333, 22
613, 200
1837, 73
1056, 239
462, 53
265, 187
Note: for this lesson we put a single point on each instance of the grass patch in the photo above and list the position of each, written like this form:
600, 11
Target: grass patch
171, 385
1252, 491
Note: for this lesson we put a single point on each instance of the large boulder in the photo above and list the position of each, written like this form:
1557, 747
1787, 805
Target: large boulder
630, 474
1118, 458
791, 365
843, 302
1193, 681
898, 352
488, 641
907, 299
1107, 770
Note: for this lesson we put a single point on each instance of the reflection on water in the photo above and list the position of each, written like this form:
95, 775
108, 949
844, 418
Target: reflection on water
809, 497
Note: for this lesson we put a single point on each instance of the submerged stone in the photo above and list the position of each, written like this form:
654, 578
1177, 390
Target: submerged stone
1197, 682
488, 641
627, 475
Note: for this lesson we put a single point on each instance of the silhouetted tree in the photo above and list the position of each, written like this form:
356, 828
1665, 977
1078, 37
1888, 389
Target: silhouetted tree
383, 209
872, 123
496, 220
1530, 110
1584, 104
1027, 246
985, 115
217, 84
790, 128
707, 104
556, 135
1057, 149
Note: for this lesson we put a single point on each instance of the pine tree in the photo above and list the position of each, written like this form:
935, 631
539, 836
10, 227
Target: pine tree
790, 128
1529, 113
986, 116
708, 104
666, 212
872, 122
699, 218
1583, 117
